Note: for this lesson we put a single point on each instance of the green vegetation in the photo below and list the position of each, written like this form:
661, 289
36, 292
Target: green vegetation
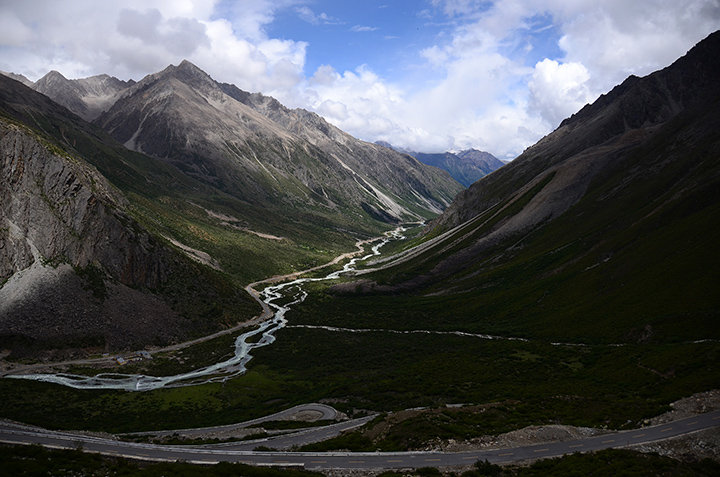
36, 461
94, 279
592, 386
608, 462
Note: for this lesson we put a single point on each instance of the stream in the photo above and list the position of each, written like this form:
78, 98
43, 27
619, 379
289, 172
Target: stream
218, 372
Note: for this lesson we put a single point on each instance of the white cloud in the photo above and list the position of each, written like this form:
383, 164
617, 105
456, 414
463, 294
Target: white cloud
558, 90
306, 14
13, 32
477, 88
132, 38
484, 95
362, 28
626, 38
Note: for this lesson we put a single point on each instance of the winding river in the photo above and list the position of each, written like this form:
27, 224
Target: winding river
244, 344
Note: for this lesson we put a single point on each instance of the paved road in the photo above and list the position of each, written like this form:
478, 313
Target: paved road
14, 433
325, 413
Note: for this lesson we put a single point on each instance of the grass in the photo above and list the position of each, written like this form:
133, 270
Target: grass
34, 460
591, 386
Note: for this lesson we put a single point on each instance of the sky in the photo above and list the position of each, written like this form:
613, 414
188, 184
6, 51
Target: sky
426, 75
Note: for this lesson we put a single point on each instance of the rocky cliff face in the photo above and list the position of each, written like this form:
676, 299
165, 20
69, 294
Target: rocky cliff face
57, 208
67, 251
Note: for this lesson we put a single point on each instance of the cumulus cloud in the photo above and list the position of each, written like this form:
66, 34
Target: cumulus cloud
132, 38
558, 90
485, 95
181, 36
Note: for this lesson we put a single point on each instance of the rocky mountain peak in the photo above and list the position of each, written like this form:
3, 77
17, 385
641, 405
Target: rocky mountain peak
52, 75
17, 77
188, 73
52, 82
86, 97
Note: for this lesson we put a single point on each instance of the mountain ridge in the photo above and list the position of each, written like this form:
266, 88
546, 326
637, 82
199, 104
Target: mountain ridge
257, 144
86, 97
588, 227
466, 166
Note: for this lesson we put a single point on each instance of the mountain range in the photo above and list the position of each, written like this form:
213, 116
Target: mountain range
574, 286
179, 182
465, 166
611, 217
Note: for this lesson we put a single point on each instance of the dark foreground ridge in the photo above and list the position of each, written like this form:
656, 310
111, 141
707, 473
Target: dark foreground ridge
212, 454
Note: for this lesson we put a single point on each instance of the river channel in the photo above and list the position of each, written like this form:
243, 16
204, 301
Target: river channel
244, 344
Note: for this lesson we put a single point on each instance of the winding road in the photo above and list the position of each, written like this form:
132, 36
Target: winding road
240, 452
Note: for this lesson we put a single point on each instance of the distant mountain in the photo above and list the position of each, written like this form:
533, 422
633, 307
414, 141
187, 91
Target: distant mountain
606, 229
18, 77
465, 167
87, 97
251, 146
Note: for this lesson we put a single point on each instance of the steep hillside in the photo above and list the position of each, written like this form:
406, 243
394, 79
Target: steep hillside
604, 230
78, 266
253, 148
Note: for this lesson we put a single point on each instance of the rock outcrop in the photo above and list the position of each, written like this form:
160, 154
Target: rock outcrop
73, 265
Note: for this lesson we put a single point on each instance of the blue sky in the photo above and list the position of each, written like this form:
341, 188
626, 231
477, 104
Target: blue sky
389, 35
428, 75
385, 34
